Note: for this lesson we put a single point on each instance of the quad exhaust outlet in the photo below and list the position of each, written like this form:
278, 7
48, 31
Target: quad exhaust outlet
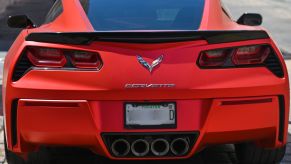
120, 148
180, 146
150, 146
160, 147
140, 148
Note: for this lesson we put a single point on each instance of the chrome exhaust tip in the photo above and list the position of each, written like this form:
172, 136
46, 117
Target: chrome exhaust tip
160, 147
180, 146
120, 148
140, 148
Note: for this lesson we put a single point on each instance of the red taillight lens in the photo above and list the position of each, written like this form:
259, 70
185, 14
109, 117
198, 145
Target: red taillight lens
250, 55
213, 58
58, 58
89, 60
46, 57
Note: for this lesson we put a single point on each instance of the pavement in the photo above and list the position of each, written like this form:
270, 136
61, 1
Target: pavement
2, 56
276, 17
35, 9
4, 4
287, 158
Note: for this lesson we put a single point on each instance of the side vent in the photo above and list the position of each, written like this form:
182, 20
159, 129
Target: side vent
282, 118
274, 65
23, 65
14, 106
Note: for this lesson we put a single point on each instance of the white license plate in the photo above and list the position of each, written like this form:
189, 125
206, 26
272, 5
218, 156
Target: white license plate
150, 114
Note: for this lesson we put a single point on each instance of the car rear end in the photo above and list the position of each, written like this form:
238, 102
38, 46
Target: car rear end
107, 92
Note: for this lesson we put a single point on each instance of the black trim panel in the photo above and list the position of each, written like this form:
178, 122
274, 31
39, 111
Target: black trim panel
23, 65
83, 38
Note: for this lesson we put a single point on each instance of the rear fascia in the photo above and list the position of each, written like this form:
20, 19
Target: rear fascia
20, 89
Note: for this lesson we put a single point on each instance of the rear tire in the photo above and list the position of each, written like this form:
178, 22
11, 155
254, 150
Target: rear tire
41, 157
11, 157
249, 153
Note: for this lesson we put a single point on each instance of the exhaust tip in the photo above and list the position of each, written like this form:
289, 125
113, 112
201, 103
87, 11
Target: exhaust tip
120, 148
160, 147
140, 148
180, 146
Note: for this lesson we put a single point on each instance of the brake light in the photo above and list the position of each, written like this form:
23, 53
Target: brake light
250, 55
46, 57
89, 60
231, 57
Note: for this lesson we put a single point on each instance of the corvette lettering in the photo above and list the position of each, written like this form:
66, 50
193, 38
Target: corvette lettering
150, 85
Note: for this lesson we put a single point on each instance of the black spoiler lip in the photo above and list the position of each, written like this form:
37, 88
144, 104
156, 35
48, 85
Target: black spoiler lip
85, 38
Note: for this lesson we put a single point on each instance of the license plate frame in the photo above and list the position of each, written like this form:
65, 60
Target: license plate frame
160, 126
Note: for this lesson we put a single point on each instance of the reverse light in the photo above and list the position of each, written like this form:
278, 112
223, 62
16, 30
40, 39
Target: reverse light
46, 57
87, 60
231, 57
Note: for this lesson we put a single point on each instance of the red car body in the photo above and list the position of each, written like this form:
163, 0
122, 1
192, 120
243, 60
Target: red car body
63, 107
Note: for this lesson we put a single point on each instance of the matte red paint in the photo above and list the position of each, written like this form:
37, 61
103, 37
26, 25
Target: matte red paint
73, 108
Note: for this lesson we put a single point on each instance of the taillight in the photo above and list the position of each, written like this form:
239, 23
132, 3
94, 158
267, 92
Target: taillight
89, 60
59, 58
213, 58
250, 55
46, 57
231, 57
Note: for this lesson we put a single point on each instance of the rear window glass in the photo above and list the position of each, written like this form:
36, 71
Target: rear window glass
122, 15
54, 12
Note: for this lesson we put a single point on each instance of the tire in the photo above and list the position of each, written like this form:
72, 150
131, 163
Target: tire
41, 157
249, 153
11, 157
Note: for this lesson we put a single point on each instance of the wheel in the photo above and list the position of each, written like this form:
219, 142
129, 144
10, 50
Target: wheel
249, 153
41, 157
11, 157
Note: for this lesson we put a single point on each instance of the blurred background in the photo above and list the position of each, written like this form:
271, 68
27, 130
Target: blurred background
277, 20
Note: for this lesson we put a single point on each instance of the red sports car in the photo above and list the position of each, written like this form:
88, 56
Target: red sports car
145, 80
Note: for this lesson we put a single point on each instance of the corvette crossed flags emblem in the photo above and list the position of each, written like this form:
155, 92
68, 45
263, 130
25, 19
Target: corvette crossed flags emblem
150, 67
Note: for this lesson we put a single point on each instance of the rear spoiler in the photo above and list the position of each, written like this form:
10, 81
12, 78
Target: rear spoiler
84, 38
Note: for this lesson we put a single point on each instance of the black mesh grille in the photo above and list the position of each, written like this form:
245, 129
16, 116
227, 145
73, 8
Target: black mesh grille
274, 65
22, 66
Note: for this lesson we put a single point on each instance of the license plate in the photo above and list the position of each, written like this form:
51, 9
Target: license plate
142, 115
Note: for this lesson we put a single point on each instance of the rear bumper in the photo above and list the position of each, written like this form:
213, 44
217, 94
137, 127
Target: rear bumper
81, 123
